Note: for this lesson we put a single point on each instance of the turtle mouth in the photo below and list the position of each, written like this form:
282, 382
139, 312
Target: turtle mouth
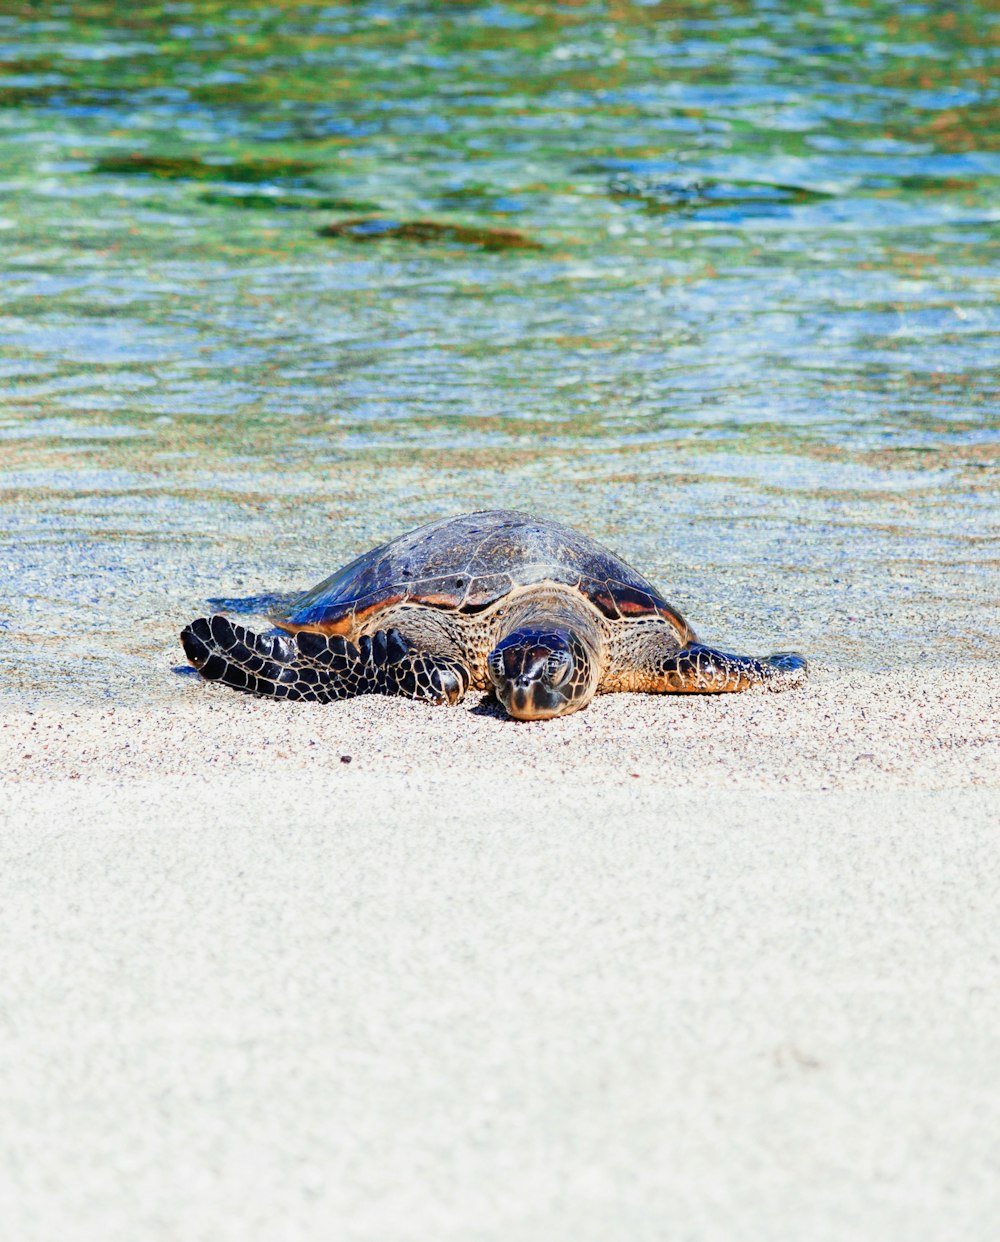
533, 701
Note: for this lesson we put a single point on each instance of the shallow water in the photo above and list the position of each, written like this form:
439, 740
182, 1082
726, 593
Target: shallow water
746, 332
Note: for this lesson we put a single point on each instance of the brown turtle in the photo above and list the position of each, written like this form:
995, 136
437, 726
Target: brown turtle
542, 615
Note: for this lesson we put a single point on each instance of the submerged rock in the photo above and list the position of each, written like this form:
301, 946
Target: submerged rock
284, 202
373, 228
190, 168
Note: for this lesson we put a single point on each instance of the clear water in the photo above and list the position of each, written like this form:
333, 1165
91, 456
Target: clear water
755, 349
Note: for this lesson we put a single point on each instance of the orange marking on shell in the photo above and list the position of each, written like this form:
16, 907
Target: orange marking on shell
605, 602
675, 619
436, 601
344, 625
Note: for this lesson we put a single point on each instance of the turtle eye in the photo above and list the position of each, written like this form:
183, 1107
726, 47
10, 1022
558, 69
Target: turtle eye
496, 667
557, 667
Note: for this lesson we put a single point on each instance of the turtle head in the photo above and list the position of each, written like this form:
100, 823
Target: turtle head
539, 673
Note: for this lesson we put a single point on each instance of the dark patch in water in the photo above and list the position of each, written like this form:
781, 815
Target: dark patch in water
18, 96
932, 185
427, 232
31, 64
190, 168
285, 202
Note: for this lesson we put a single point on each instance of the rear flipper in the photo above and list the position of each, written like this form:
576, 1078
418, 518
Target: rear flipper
319, 668
696, 669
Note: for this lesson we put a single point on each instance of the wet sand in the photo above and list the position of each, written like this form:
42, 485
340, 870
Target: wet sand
687, 967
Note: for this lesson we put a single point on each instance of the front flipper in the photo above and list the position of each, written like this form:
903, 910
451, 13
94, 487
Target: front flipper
320, 668
701, 670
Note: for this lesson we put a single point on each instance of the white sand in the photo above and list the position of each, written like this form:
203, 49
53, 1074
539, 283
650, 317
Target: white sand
700, 968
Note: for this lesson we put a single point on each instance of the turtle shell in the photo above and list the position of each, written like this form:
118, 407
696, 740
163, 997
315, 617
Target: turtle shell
465, 564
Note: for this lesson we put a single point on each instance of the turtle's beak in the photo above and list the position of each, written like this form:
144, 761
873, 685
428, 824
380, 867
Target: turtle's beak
531, 699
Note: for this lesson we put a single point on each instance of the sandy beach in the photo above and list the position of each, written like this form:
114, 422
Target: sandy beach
675, 967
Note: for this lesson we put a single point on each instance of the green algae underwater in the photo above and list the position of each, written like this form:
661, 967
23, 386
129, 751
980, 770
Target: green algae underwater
717, 283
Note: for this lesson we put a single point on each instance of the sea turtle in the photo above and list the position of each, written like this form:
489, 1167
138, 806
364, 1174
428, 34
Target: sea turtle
542, 615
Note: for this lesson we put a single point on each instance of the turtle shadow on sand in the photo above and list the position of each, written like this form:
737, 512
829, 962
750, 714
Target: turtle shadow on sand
490, 706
